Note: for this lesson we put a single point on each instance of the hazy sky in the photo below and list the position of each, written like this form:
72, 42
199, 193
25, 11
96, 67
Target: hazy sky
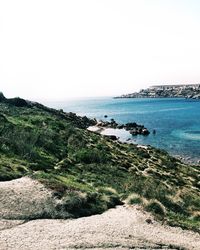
60, 49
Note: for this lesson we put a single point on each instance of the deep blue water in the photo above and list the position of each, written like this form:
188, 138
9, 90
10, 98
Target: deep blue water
176, 121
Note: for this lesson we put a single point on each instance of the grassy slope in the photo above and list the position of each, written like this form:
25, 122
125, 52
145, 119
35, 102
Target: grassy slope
84, 167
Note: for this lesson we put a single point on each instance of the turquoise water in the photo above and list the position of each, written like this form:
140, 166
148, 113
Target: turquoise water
176, 121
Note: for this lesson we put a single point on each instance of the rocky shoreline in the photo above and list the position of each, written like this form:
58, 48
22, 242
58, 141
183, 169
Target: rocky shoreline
167, 91
132, 127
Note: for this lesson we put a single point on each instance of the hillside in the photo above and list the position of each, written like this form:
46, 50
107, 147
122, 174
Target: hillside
167, 91
89, 173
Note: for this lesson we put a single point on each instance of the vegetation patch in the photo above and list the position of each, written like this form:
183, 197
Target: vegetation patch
156, 208
135, 199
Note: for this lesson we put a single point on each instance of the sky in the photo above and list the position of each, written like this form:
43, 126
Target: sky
62, 49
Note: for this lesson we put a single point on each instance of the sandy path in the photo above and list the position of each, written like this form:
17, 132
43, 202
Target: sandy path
119, 228
122, 227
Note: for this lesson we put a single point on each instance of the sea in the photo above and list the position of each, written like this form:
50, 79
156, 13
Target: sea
175, 120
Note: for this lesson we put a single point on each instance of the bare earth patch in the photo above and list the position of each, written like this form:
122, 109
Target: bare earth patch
120, 228
24, 198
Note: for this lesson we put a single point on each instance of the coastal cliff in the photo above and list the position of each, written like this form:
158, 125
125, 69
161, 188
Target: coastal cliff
167, 91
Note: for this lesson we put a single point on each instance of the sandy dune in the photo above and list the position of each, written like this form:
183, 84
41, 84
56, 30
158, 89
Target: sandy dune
120, 228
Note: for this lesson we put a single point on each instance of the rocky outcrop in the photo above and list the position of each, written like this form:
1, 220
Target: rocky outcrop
111, 137
18, 102
2, 97
196, 96
167, 91
132, 127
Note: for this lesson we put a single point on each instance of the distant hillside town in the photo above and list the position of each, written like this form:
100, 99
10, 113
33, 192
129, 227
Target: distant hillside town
167, 91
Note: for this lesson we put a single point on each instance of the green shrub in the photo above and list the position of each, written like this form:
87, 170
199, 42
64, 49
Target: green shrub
89, 155
186, 222
156, 208
143, 154
79, 204
135, 199
175, 206
108, 191
196, 216
76, 141
74, 201
110, 197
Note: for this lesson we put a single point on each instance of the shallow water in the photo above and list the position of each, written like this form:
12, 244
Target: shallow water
176, 121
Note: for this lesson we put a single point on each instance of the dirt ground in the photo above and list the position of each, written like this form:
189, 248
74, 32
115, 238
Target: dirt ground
124, 227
